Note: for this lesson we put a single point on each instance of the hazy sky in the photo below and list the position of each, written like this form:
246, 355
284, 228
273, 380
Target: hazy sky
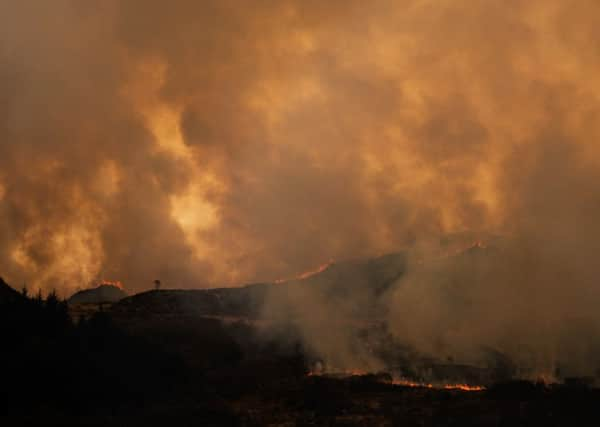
220, 142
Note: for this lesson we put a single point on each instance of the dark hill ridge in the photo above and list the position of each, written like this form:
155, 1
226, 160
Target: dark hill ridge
104, 293
359, 280
344, 279
8, 294
240, 302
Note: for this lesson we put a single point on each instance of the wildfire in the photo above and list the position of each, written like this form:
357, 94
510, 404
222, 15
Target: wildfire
320, 269
309, 273
463, 387
407, 383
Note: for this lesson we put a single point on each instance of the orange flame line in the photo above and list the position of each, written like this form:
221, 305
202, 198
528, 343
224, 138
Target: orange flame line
309, 273
408, 383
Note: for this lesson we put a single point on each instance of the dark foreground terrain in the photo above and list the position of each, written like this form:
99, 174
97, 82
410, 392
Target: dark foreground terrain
319, 401
153, 361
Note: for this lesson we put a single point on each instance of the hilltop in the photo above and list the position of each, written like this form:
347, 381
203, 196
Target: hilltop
345, 279
105, 293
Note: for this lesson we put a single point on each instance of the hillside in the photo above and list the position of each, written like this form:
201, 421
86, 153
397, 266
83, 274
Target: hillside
104, 293
8, 294
345, 279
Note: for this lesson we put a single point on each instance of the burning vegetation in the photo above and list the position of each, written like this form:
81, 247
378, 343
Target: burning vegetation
386, 378
308, 273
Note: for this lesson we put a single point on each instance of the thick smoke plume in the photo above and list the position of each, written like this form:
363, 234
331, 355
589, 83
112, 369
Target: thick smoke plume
219, 142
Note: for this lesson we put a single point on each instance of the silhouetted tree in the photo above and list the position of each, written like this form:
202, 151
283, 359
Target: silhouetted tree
52, 301
38, 298
157, 284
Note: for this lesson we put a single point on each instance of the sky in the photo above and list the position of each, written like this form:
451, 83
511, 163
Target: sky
215, 143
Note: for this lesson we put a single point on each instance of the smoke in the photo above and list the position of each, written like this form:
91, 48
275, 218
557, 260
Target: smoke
533, 297
217, 142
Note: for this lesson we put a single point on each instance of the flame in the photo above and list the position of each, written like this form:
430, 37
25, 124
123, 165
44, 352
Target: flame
320, 269
309, 273
115, 283
459, 386
407, 383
